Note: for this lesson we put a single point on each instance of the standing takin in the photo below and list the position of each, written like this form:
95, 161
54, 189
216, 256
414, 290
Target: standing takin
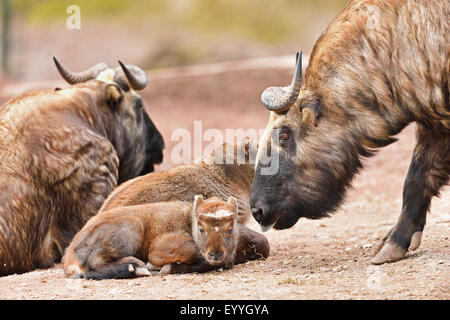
173, 236
62, 152
379, 66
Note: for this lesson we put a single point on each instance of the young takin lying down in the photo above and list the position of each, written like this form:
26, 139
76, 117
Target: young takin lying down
227, 171
172, 237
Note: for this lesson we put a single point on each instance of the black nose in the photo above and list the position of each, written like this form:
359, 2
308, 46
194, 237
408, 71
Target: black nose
215, 256
257, 214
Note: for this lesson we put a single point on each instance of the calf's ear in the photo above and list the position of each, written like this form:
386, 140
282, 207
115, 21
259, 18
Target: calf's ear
198, 200
249, 149
233, 202
113, 95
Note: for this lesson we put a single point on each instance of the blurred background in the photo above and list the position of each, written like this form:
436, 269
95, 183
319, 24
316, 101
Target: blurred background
155, 34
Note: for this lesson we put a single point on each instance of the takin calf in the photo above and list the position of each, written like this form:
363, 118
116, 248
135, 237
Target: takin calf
174, 237
62, 152
220, 174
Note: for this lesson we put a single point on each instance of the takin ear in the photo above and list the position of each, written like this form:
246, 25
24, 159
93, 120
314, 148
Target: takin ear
248, 147
198, 200
233, 202
310, 108
113, 95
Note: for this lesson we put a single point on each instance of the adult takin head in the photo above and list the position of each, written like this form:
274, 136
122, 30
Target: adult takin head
125, 80
379, 66
62, 152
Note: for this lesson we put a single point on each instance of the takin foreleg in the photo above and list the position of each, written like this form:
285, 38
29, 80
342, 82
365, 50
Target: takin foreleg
176, 253
428, 172
128, 267
251, 245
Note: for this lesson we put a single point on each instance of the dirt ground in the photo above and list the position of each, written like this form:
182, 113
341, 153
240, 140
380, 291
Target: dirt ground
324, 259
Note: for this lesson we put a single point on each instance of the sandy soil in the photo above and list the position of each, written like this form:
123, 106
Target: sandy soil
325, 259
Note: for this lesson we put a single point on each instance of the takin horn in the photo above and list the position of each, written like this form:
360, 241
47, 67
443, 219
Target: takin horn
136, 77
279, 99
77, 77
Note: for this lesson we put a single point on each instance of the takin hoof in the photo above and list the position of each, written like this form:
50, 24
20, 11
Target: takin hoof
152, 267
383, 241
416, 239
165, 269
390, 252
142, 272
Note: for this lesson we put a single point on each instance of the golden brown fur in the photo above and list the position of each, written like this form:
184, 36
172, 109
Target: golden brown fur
61, 153
379, 66
208, 178
174, 237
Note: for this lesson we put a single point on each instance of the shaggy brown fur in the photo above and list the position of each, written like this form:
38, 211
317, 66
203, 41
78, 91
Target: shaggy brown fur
174, 237
61, 153
379, 66
208, 178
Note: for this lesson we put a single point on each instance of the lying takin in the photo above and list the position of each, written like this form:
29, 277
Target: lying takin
227, 171
379, 66
162, 238
62, 152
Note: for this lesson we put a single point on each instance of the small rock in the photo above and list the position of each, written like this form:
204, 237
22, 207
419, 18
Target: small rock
336, 269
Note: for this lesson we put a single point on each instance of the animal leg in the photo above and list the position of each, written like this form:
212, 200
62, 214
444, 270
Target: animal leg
127, 267
200, 267
251, 245
177, 247
428, 172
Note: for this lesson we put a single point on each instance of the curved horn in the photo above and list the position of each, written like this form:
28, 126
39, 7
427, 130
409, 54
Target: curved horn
279, 99
76, 77
137, 78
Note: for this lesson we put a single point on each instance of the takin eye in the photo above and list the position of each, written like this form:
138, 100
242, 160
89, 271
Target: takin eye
283, 136
230, 231
201, 230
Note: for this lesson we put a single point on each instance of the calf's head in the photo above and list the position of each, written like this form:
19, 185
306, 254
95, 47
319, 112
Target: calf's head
242, 153
214, 229
137, 141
